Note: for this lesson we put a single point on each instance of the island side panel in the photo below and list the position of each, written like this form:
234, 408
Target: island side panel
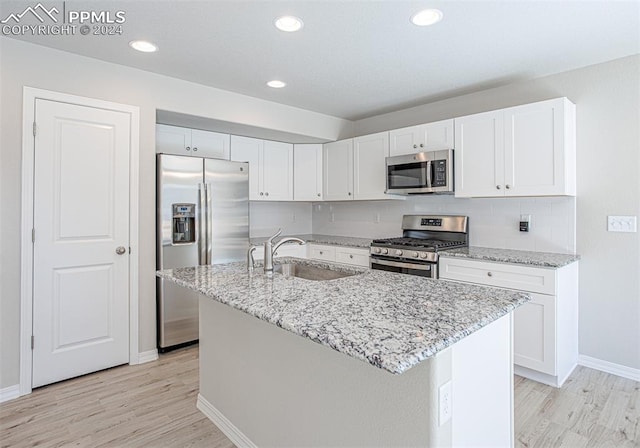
279, 389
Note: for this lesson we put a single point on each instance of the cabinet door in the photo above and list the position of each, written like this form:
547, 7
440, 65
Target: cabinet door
479, 155
245, 149
307, 172
210, 144
535, 334
404, 141
436, 136
173, 140
337, 167
369, 171
277, 171
534, 149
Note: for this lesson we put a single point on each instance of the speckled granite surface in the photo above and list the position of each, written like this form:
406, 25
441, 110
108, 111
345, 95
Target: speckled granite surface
331, 240
392, 321
543, 259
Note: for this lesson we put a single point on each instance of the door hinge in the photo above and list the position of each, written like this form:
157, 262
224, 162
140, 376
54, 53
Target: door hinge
33, 235
32, 342
34, 128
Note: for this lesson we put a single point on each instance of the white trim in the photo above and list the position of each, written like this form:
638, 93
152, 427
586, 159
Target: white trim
609, 367
148, 356
544, 378
30, 95
238, 438
9, 393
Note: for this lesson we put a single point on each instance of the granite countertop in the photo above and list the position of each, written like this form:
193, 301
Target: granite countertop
330, 240
392, 321
541, 259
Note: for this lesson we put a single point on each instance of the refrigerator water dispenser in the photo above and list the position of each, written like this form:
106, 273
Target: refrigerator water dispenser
184, 223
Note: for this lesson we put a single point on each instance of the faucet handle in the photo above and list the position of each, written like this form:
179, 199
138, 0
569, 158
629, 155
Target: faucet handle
277, 234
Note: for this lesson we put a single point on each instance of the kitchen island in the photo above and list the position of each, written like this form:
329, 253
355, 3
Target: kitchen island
437, 355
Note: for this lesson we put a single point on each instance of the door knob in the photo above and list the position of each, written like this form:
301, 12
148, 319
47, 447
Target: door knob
120, 250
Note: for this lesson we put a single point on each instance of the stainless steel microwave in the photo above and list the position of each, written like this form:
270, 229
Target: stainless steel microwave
424, 172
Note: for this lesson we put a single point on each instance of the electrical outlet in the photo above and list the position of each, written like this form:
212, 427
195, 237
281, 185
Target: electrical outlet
444, 403
622, 224
525, 223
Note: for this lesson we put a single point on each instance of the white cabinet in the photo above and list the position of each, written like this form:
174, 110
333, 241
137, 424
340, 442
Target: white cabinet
307, 172
425, 137
526, 150
340, 254
270, 167
546, 328
191, 142
337, 167
355, 168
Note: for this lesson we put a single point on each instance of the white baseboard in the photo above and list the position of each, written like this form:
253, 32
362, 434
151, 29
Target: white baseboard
9, 393
148, 356
609, 367
549, 380
229, 429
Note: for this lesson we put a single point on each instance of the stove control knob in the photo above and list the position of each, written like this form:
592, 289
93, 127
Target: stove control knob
398, 252
423, 255
385, 251
376, 250
415, 255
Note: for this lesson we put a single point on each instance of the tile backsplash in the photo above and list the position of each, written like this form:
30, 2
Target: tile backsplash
266, 218
493, 222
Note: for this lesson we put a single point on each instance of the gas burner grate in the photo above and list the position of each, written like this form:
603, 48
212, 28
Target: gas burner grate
419, 242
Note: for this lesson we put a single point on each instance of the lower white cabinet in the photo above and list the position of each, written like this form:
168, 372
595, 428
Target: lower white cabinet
340, 254
545, 333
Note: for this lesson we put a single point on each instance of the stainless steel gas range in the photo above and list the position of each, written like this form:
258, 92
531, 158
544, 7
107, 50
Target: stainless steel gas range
423, 238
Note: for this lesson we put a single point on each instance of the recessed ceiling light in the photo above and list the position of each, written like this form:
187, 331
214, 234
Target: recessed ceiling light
426, 17
143, 45
276, 84
288, 23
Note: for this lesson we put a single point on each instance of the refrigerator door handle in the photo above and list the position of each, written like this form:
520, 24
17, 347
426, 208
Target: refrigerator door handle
202, 217
209, 224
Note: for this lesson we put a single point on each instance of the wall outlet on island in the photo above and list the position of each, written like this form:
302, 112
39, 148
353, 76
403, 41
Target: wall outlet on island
444, 403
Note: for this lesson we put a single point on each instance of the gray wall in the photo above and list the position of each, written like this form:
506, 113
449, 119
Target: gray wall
607, 97
26, 64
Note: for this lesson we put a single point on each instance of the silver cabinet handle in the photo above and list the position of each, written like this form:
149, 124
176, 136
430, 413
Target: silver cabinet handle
267, 193
350, 256
507, 186
497, 187
318, 194
321, 252
421, 145
120, 250
188, 148
195, 148
349, 193
261, 194
489, 274
415, 146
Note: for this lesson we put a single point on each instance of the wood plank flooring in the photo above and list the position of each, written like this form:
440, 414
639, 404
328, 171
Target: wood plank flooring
153, 405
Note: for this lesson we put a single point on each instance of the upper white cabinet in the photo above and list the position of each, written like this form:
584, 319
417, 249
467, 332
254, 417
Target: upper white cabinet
337, 167
191, 142
425, 137
369, 169
526, 150
270, 167
355, 168
307, 172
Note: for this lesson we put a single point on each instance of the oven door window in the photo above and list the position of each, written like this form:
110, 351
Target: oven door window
407, 175
425, 271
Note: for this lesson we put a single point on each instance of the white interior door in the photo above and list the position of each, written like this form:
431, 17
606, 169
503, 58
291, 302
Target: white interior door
81, 222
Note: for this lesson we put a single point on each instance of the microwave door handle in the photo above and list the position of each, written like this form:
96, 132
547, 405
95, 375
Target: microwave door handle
429, 175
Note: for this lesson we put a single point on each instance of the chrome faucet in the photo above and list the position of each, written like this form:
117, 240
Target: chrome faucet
269, 249
251, 263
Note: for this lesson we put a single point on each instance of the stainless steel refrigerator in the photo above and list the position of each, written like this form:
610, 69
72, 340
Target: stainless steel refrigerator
202, 218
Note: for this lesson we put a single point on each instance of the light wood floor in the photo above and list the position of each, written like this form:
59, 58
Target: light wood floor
153, 405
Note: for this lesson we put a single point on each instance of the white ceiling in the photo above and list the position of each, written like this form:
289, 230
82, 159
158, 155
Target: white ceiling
355, 59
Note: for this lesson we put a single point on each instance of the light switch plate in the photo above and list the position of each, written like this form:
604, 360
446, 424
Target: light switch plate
622, 224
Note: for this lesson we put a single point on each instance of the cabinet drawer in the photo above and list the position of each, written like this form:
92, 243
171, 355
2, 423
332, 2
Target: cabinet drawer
326, 253
523, 278
358, 257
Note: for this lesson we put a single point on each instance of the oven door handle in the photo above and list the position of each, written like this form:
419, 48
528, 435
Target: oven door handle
401, 264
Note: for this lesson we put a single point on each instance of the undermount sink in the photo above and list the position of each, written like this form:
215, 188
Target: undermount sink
309, 272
